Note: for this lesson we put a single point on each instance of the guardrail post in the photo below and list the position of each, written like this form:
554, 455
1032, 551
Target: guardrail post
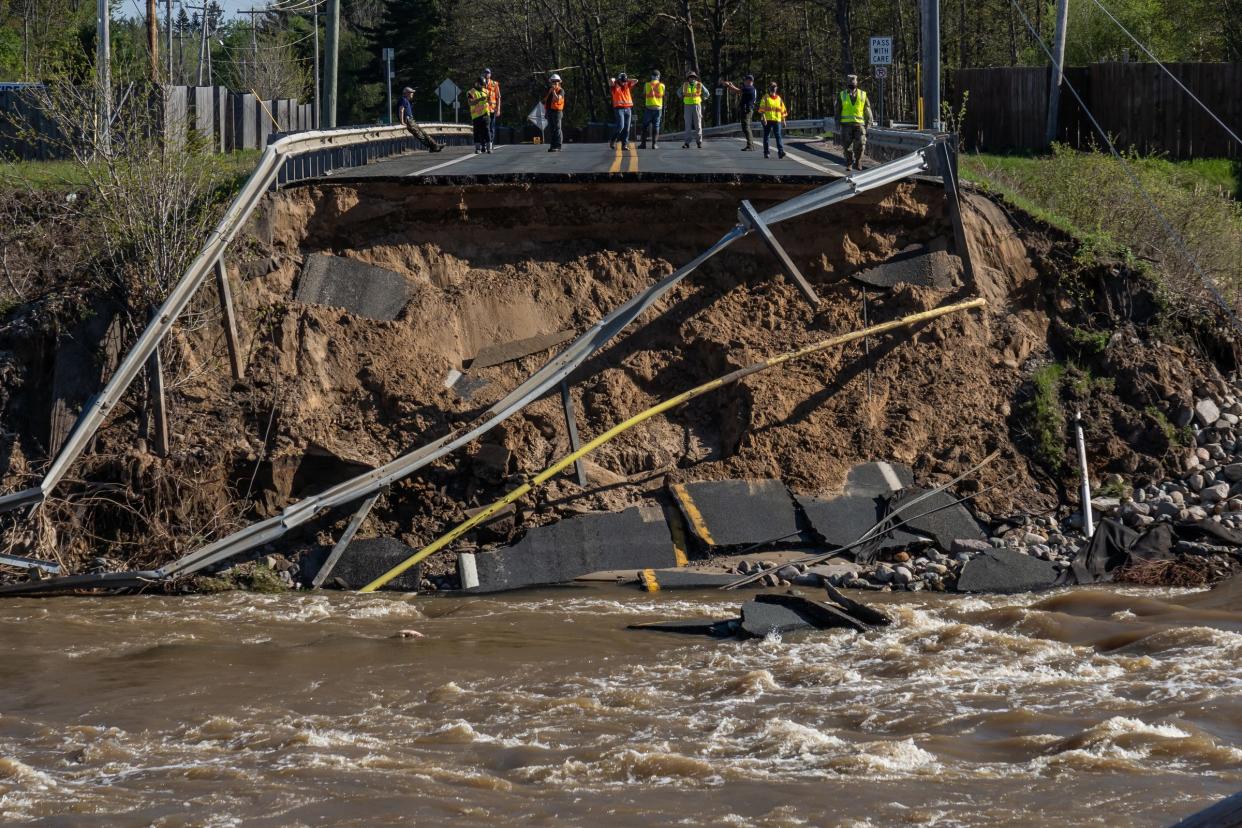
230, 320
751, 218
347, 536
945, 159
571, 421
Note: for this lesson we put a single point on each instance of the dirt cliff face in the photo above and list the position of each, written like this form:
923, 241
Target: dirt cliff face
329, 394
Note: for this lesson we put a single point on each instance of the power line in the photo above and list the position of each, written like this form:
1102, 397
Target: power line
1175, 78
1138, 185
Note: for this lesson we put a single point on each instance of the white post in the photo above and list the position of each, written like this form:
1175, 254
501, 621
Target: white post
1088, 525
103, 69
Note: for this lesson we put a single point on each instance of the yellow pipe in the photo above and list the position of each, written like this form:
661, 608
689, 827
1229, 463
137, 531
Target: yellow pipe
698, 391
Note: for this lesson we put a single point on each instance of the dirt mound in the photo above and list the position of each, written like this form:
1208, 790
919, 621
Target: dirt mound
329, 394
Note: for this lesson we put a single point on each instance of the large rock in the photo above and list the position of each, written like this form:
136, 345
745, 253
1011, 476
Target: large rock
1206, 413
1006, 571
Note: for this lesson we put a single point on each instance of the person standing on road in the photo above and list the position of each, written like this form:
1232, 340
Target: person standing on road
480, 114
748, 99
554, 110
405, 115
772, 110
853, 112
692, 96
653, 109
493, 97
623, 105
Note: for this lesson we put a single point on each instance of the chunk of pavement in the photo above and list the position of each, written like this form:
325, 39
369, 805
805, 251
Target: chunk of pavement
654, 580
777, 612
366, 559
842, 520
878, 479
1206, 413
723, 628
935, 269
502, 352
360, 288
938, 516
737, 512
637, 538
858, 610
1006, 571
465, 386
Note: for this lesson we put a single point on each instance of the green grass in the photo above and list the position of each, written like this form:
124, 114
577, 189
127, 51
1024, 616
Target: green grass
226, 169
1089, 196
1047, 417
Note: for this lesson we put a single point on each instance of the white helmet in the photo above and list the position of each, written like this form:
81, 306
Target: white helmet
554, 77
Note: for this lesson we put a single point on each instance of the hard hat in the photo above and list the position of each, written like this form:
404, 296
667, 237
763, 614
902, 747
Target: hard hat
553, 77
623, 76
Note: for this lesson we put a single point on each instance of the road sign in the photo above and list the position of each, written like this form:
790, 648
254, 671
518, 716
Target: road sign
881, 72
448, 91
388, 54
881, 51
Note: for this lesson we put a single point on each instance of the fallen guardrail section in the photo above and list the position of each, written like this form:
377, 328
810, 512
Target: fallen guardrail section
934, 156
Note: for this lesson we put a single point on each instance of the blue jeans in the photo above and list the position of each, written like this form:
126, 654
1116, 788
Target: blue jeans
652, 117
491, 127
624, 118
772, 128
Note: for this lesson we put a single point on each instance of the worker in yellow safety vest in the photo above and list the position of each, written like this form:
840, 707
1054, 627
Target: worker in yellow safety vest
653, 109
853, 112
480, 103
693, 94
772, 110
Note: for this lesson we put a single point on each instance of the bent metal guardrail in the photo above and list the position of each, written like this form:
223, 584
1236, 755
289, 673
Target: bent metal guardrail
897, 139
535, 386
266, 174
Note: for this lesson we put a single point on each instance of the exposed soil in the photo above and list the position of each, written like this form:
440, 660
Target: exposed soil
328, 394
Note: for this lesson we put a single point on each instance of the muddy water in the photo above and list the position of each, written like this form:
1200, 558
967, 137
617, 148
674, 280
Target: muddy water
1086, 708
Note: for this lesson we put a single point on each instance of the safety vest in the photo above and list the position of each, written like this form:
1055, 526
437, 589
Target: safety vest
621, 97
556, 99
480, 103
853, 111
693, 93
493, 94
653, 92
772, 108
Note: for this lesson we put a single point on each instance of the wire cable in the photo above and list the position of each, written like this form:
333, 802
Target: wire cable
1138, 185
1175, 78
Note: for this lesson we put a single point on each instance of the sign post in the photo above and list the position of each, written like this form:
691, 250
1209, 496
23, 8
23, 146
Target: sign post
388, 80
881, 59
447, 92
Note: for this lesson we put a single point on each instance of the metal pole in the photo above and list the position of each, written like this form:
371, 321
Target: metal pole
931, 63
168, 22
316, 67
388, 80
1088, 525
202, 43
333, 40
1058, 69
103, 69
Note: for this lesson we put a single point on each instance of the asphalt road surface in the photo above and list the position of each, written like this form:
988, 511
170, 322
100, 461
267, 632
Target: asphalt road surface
718, 157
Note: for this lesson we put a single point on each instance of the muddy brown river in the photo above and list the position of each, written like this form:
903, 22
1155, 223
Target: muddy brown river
1119, 707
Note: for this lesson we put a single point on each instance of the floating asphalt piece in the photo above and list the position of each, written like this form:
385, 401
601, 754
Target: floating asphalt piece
516, 349
367, 559
918, 267
842, 520
1006, 571
773, 612
950, 521
637, 538
654, 580
878, 479
361, 289
857, 610
737, 512
724, 628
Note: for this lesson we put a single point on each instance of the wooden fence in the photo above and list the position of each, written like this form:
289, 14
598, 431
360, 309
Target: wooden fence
1137, 104
225, 121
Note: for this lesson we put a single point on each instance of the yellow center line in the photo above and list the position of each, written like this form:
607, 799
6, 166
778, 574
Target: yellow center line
633, 159
616, 162
691, 510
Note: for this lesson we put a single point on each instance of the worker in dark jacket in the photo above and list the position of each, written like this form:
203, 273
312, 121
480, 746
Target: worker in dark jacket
748, 100
405, 115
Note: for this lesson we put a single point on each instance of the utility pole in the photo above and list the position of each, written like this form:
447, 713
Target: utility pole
1058, 69
334, 38
931, 63
202, 42
153, 39
316, 16
103, 74
168, 23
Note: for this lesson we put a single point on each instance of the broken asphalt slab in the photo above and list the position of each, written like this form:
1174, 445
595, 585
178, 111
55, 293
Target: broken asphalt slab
636, 538
516, 349
365, 560
724, 513
770, 613
1006, 571
938, 516
878, 479
840, 521
654, 580
935, 269
723, 628
360, 288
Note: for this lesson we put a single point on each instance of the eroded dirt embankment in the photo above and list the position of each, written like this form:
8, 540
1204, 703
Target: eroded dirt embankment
329, 394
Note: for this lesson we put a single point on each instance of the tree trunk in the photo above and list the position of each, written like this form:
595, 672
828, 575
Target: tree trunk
692, 50
847, 40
